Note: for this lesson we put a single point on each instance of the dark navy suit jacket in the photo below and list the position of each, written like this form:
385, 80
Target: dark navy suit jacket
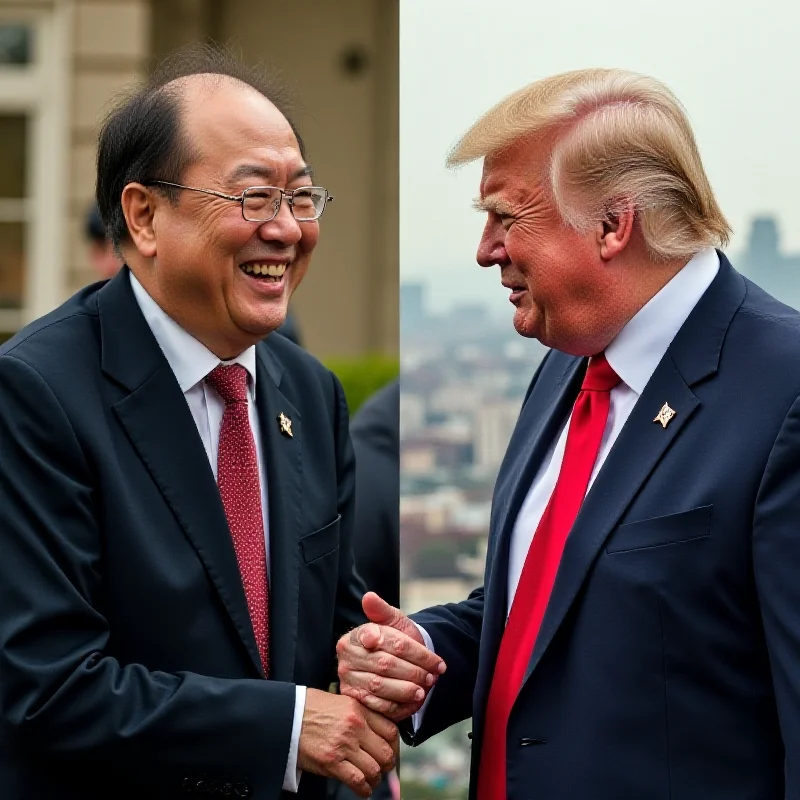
668, 662
128, 665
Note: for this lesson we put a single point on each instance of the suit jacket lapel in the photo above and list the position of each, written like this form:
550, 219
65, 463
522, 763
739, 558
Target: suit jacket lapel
540, 422
283, 463
692, 357
159, 425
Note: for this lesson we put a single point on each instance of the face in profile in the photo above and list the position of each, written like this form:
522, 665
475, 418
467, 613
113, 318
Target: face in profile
558, 283
224, 278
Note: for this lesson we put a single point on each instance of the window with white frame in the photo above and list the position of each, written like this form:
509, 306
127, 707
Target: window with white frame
33, 133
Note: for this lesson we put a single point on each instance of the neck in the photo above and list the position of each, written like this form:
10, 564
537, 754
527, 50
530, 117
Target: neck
223, 346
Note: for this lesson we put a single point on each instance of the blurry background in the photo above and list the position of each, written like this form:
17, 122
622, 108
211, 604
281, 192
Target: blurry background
733, 64
63, 61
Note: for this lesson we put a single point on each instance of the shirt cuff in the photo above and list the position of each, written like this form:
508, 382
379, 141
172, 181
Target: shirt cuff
291, 778
416, 719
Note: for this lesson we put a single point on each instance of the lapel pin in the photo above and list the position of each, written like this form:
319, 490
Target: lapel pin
665, 415
285, 425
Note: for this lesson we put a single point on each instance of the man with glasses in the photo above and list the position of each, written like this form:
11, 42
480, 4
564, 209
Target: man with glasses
176, 486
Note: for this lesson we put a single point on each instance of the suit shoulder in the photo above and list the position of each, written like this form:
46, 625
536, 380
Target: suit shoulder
291, 356
299, 369
772, 326
65, 332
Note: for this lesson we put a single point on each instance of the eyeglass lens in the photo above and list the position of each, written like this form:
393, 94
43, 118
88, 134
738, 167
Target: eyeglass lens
263, 204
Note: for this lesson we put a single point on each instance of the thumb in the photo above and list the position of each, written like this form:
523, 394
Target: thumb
380, 612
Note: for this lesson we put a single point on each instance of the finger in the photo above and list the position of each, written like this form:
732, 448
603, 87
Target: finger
377, 638
369, 768
387, 731
367, 636
351, 776
396, 712
398, 691
381, 741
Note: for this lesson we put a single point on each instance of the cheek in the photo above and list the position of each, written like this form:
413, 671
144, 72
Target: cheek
308, 240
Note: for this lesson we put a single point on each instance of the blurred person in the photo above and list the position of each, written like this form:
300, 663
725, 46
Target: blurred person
176, 501
376, 536
375, 431
290, 328
637, 634
102, 256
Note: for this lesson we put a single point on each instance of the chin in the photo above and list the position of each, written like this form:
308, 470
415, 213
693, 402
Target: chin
526, 323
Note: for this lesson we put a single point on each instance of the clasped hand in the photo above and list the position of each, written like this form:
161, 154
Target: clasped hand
384, 664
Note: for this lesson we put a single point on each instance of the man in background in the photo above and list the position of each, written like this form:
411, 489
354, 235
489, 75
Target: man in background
103, 259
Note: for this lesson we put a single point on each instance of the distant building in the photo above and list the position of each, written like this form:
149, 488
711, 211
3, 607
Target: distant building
413, 315
762, 261
492, 432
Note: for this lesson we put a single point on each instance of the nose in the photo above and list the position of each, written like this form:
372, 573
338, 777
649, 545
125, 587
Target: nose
491, 249
284, 229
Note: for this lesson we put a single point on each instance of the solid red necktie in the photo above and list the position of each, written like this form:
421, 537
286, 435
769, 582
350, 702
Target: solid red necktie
240, 489
588, 421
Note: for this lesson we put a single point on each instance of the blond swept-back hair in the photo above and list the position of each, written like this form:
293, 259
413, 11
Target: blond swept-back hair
621, 140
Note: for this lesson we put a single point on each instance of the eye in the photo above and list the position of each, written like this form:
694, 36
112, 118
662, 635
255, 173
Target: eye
506, 220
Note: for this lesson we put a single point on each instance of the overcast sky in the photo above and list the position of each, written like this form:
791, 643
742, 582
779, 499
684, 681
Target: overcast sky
735, 66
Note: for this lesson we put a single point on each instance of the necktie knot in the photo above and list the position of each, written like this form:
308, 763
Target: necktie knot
229, 382
599, 377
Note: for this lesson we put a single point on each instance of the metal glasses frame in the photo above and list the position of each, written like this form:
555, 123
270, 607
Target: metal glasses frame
241, 198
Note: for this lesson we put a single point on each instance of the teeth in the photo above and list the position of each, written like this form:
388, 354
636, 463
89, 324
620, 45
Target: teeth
271, 270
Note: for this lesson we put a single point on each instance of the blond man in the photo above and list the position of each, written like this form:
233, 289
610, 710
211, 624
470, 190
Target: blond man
638, 631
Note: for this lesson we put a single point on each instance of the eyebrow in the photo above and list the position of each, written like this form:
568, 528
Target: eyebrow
492, 203
265, 173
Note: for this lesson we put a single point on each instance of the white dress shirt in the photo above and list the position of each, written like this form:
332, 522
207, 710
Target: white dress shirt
191, 362
633, 355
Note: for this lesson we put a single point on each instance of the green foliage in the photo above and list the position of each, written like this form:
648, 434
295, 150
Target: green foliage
414, 790
363, 376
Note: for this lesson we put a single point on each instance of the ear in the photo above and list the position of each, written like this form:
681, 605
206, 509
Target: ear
139, 207
614, 232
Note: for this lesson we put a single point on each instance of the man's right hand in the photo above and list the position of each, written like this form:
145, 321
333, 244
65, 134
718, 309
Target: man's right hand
385, 664
342, 739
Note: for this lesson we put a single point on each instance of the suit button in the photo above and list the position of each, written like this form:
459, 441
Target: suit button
243, 790
527, 742
226, 789
469, 735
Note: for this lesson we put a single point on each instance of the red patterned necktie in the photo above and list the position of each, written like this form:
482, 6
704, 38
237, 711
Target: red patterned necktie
240, 488
589, 416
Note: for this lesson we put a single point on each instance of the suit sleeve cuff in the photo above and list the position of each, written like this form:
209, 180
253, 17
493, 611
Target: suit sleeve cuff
291, 778
416, 719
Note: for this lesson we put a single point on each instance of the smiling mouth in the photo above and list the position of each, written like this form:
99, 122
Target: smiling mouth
267, 272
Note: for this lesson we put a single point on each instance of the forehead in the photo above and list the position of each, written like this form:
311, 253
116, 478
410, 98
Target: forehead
227, 122
513, 174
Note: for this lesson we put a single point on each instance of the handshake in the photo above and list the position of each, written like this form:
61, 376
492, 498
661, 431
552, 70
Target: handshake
385, 673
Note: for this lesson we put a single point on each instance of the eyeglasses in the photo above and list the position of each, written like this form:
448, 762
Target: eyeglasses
262, 203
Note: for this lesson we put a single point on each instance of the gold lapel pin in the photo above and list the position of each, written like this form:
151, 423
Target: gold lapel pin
665, 415
285, 425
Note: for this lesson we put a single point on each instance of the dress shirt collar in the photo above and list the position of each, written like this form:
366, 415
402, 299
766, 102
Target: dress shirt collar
641, 344
190, 360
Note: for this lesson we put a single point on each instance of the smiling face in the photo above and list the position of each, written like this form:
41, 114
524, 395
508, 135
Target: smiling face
225, 280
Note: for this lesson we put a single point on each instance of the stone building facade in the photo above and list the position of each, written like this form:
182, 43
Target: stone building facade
62, 63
